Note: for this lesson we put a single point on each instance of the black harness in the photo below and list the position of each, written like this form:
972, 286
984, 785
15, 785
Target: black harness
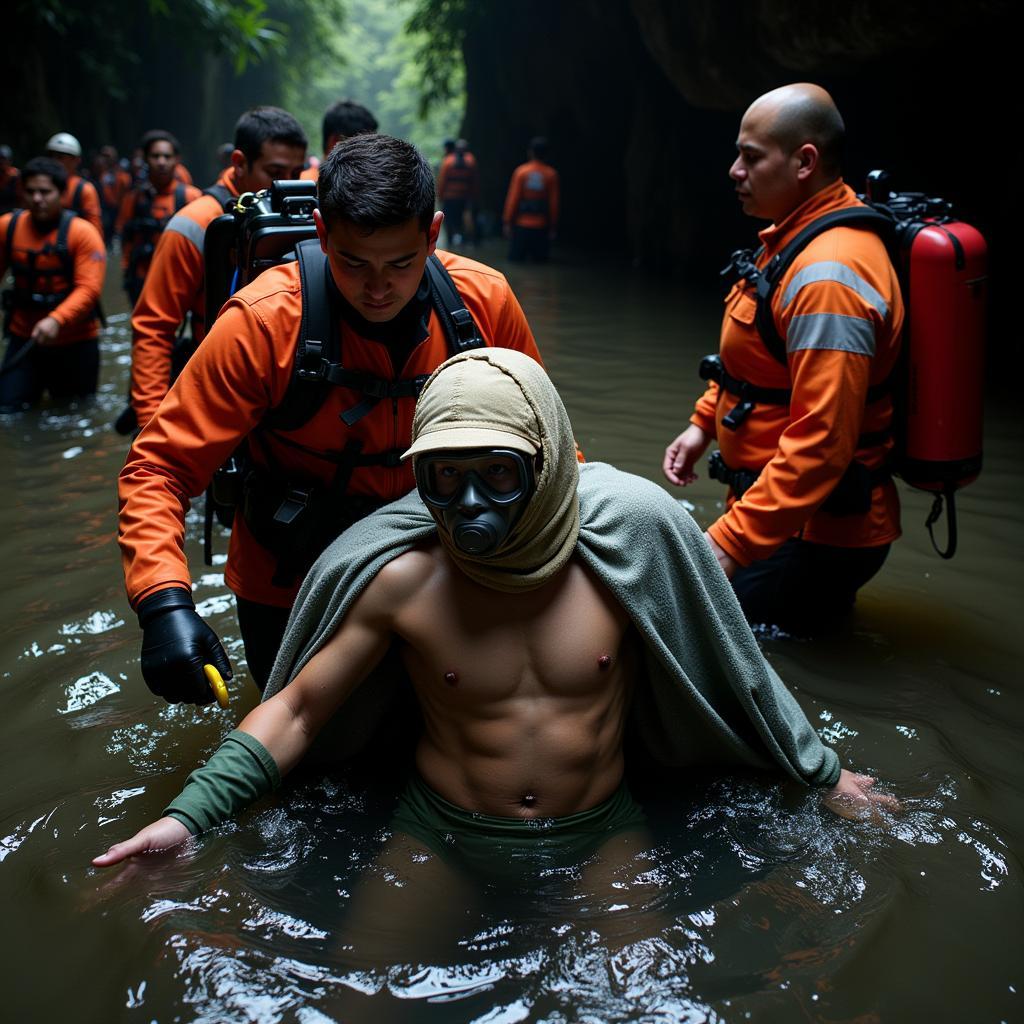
296, 519
26, 292
144, 229
852, 494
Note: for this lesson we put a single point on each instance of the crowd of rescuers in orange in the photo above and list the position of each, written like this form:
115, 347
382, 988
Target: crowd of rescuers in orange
161, 218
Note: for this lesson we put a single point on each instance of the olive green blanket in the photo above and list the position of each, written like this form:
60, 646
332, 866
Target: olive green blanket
709, 696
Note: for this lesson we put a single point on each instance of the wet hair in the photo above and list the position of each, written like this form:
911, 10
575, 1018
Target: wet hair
376, 181
539, 146
50, 168
267, 124
808, 120
158, 135
346, 118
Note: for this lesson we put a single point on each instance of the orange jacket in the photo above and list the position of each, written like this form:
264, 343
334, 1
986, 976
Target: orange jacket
458, 179
81, 198
143, 231
532, 198
239, 373
114, 186
173, 288
88, 254
839, 309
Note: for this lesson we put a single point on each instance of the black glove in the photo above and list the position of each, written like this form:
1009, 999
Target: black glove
176, 643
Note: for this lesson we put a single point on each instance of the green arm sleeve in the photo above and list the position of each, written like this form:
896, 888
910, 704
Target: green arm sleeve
240, 772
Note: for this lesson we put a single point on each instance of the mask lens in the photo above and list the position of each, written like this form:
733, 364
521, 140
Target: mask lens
504, 476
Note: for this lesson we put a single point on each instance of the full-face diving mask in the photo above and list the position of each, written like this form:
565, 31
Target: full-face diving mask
478, 493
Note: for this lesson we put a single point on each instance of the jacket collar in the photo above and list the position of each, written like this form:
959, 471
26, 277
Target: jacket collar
837, 196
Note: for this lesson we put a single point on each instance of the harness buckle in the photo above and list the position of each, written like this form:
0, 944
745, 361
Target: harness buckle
735, 417
296, 500
465, 328
314, 366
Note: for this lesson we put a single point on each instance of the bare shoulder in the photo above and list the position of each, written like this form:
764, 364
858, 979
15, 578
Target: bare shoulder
404, 577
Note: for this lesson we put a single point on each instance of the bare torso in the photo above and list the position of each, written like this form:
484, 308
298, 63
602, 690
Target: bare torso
524, 696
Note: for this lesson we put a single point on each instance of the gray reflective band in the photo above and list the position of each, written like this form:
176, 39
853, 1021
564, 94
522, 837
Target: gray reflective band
829, 270
831, 331
182, 225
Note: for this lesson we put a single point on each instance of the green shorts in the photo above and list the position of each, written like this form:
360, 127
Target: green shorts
488, 844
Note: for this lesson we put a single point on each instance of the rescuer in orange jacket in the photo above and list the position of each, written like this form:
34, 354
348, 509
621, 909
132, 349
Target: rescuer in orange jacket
341, 121
147, 209
458, 189
818, 509
269, 144
80, 196
57, 262
377, 226
113, 183
10, 181
530, 218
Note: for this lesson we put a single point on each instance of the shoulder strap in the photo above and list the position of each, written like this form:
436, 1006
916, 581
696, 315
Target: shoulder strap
76, 199
318, 342
458, 323
767, 279
9, 240
219, 192
179, 196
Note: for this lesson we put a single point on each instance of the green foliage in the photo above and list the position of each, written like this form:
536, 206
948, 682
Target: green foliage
439, 27
378, 68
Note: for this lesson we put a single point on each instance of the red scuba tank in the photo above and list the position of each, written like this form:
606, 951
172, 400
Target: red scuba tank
940, 437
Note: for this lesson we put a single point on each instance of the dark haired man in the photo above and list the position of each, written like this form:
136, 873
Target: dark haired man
341, 121
80, 195
323, 435
458, 190
147, 209
803, 427
57, 262
269, 144
530, 217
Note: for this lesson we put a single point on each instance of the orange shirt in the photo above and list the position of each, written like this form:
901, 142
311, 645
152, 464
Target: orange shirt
76, 313
458, 179
162, 206
839, 309
173, 288
88, 205
181, 173
310, 174
241, 372
533, 196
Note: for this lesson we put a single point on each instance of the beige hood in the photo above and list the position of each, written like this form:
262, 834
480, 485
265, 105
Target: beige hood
500, 398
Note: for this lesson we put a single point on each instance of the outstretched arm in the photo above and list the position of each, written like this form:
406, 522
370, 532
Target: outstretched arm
282, 728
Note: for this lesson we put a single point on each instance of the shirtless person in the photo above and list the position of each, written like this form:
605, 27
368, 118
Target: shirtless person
517, 635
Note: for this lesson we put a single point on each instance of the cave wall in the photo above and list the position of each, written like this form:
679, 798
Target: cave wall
641, 100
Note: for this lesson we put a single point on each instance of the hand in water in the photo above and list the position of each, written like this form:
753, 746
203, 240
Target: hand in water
159, 835
853, 797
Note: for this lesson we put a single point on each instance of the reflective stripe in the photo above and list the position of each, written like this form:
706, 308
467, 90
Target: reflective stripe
182, 225
831, 331
829, 270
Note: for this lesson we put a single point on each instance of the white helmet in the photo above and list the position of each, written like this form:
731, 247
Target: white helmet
64, 142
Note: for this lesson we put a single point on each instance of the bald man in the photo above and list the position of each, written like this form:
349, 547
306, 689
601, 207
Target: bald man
798, 398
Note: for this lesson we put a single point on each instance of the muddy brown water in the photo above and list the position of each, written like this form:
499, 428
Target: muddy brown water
749, 902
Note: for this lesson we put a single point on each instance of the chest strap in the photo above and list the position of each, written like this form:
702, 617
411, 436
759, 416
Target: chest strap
749, 395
